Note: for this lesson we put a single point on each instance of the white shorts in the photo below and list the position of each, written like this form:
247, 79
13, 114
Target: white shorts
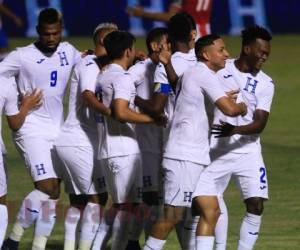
83, 172
40, 158
151, 164
123, 177
180, 179
3, 177
248, 170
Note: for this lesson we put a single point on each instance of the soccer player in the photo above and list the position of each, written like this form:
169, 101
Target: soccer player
15, 119
45, 64
119, 150
200, 10
236, 149
150, 136
187, 148
77, 146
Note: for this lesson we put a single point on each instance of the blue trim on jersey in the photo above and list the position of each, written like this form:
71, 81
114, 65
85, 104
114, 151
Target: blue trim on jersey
162, 88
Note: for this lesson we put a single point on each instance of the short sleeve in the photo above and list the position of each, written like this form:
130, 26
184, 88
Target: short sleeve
137, 73
11, 102
264, 98
11, 64
213, 88
88, 74
161, 83
123, 87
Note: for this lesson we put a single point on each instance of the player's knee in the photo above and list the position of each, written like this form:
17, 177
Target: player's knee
50, 188
255, 205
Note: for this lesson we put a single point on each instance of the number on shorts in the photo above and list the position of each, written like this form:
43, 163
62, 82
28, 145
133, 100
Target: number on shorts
263, 175
53, 78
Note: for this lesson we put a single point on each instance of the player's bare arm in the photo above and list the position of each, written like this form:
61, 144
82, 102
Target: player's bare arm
29, 102
153, 107
230, 108
158, 16
256, 127
123, 113
91, 101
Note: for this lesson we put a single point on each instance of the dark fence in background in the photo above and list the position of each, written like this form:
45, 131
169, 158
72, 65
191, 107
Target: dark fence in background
81, 16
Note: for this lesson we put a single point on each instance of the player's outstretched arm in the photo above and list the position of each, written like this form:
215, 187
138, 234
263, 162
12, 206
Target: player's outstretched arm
153, 107
230, 108
158, 16
29, 102
91, 101
256, 127
7, 12
123, 113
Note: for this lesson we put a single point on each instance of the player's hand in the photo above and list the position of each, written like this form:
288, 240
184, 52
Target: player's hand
140, 55
164, 54
161, 120
33, 100
244, 108
233, 94
135, 11
87, 52
223, 129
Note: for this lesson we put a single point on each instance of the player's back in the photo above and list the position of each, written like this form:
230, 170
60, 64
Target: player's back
80, 127
149, 135
119, 138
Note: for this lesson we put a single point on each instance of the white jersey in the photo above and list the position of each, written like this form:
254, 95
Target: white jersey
189, 134
181, 62
33, 69
119, 139
257, 92
80, 127
8, 103
149, 135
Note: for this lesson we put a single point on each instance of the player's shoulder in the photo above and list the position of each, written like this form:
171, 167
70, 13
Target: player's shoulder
265, 78
66, 46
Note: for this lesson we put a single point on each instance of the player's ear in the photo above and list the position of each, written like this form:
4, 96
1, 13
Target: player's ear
154, 46
193, 35
246, 49
206, 55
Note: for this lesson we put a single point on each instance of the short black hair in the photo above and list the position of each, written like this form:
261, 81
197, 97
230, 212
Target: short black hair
180, 26
117, 42
250, 34
49, 16
155, 35
203, 42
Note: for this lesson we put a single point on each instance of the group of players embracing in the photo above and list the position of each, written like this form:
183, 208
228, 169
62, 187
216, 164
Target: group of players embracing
161, 135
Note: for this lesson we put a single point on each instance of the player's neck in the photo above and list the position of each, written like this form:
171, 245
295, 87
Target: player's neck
180, 47
242, 65
122, 63
44, 49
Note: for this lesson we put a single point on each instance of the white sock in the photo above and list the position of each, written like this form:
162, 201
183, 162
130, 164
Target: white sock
222, 226
3, 222
28, 213
71, 224
105, 229
189, 233
205, 242
89, 226
120, 230
44, 223
249, 231
154, 244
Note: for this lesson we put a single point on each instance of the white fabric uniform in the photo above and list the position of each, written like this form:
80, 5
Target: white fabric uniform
181, 62
77, 142
9, 107
33, 69
149, 135
119, 149
240, 155
188, 142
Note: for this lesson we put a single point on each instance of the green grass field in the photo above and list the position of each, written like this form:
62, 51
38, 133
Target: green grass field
281, 146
